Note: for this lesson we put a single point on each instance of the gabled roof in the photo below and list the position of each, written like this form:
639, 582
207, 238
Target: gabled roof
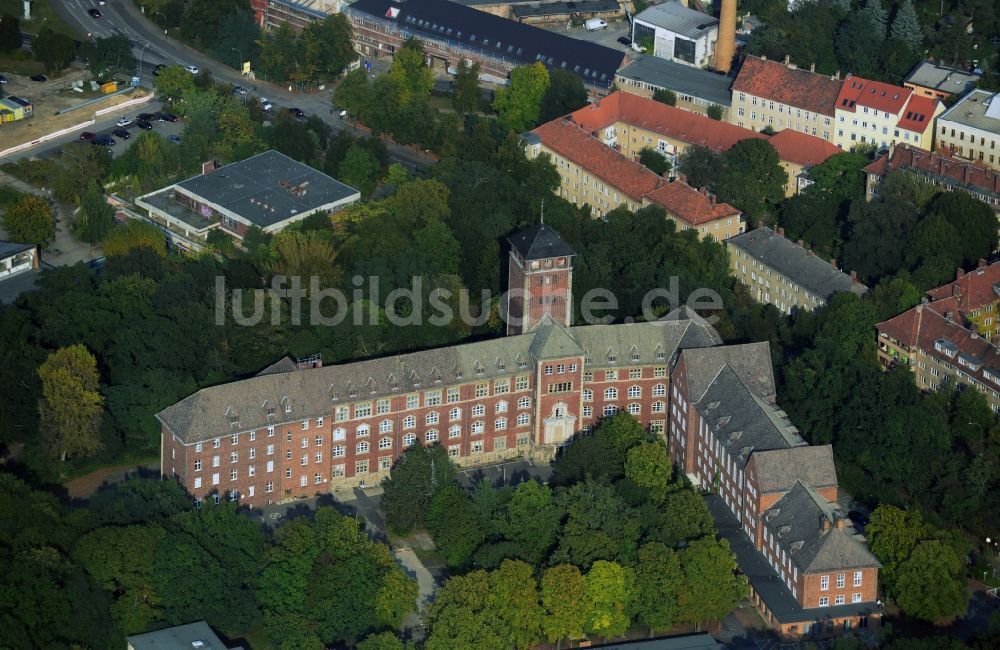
778, 82
944, 168
679, 19
802, 148
779, 469
795, 263
690, 205
492, 35
873, 94
682, 79
540, 242
750, 361
570, 141
971, 290
918, 115
552, 341
797, 521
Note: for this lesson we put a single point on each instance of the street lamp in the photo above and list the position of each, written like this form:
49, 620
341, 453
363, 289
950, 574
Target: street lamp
239, 64
139, 72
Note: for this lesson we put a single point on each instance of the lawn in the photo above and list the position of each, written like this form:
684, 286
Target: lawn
42, 13
20, 62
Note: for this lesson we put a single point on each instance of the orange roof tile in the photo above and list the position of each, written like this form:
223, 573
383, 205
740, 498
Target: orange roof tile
572, 142
776, 81
689, 205
971, 290
873, 94
919, 114
802, 148
940, 166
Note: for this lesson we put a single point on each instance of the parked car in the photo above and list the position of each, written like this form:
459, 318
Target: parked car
595, 24
176, 139
123, 121
94, 13
297, 112
39, 78
193, 69
156, 70
146, 117
240, 90
87, 136
121, 133
103, 140
3, 79
266, 105
166, 117
624, 40
144, 125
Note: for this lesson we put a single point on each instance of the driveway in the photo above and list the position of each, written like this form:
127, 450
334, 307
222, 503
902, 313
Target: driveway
510, 473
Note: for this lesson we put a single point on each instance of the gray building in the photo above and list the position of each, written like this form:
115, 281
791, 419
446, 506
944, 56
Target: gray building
785, 273
696, 90
937, 81
677, 33
970, 129
193, 636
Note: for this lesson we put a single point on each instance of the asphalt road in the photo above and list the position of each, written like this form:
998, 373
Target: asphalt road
152, 47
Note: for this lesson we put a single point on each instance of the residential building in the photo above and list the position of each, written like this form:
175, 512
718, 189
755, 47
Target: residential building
677, 33
696, 90
451, 32
15, 258
785, 273
970, 129
269, 191
931, 340
975, 296
810, 572
14, 108
783, 96
539, 280
294, 13
629, 123
594, 174
193, 636
798, 153
931, 79
874, 112
943, 170
548, 13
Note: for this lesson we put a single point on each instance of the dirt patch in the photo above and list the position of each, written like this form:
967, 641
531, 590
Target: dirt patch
50, 97
83, 486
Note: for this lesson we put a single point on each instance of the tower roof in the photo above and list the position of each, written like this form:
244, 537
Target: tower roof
540, 242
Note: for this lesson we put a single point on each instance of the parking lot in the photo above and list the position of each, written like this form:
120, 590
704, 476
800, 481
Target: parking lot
608, 37
166, 129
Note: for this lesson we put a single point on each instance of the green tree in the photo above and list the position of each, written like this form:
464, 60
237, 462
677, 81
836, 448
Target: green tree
654, 161
853, 44
454, 525
134, 234
930, 583
96, 218
173, 83
563, 593
665, 96
325, 49
102, 54
518, 106
700, 165
409, 71
515, 597
753, 179
714, 112
10, 33
564, 95
711, 587
530, 520
71, 406
306, 255
878, 17
418, 475
383, 641
599, 526
906, 27
277, 53
54, 50
359, 169
658, 581
30, 220
80, 165
648, 466
609, 589
681, 517
462, 616
467, 96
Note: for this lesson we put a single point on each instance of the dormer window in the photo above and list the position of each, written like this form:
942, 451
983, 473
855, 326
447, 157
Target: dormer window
500, 364
233, 417
521, 363
660, 354
478, 368
268, 409
415, 379
372, 386
612, 356
946, 347
393, 382
286, 404
635, 355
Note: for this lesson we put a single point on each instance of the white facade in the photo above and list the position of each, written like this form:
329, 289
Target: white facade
679, 34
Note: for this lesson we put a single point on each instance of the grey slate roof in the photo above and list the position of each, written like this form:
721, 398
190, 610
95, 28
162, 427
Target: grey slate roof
540, 242
284, 364
675, 17
562, 8
252, 188
703, 641
180, 637
977, 110
682, 79
796, 519
779, 469
795, 263
10, 249
313, 392
943, 78
750, 361
742, 421
765, 580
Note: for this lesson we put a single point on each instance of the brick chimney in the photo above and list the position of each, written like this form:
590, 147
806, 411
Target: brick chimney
841, 522
824, 523
725, 43
207, 167
854, 277
711, 199
982, 263
703, 190
833, 262
781, 232
682, 178
760, 224
800, 243
959, 273
836, 76
788, 60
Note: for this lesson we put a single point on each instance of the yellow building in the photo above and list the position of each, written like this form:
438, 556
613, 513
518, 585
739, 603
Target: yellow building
881, 114
971, 129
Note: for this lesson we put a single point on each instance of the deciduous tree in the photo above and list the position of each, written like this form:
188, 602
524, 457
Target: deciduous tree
648, 466
53, 49
654, 161
96, 218
467, 97
410, 73
518, 106
711, 587
564, 95
665, 96
30, 220
10, 33
418, 475
134, 234
563, 594
658, 581
609, 590
71, 406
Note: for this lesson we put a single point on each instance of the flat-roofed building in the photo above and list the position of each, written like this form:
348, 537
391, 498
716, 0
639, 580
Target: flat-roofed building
677, 33
193, 636
970, 129
696, 90
931, 79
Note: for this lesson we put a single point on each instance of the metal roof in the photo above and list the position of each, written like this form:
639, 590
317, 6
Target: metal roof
540, 242
675, 17
10, 249
943, 78
683, 79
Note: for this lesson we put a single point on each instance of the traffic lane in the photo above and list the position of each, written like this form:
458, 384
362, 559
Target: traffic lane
75, 13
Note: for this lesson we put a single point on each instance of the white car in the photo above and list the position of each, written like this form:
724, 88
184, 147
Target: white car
123, 122
266, 103
193, 69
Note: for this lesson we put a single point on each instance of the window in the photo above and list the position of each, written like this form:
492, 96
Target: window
855, 598
561, 387
361, 467
501, 386
215, 478
234, 457
521, 383
588, 411
548, 370
588, 377
197, 483
432, 418
635, 373
197, 448
660, 372
337, 451
482, 390
305, 424
305, 443
235, 438
431, 436
412, 401
232, 475
197, 465
363, 410
840, 581
432, 398
288, 436
824, 583
634, 392
269, 487
252, 470
454, 394
659, 407
610, 393
610, 410
857, 578
385, 443
319, 422
454, 450
409, 422
382, 407
611, 375
824, 601
270, 465
522, 419
478, 411
839, 599
304, 459
409, 439
524, 402
455, 414
501, 407
216, 443
478, 427
385, 462
500, 423
341, 413
362, 447
634, 409
659, 390
215, 461
385, 426
338, 471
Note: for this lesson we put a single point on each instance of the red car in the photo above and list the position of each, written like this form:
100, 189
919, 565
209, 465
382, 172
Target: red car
87, 136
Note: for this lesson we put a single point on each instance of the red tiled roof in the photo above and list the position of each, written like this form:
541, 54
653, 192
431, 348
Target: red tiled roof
962, 172
690, 205
873, 94
922, 326
790, 86
971, 290
802, 148
669, 121
918, 115
572, 142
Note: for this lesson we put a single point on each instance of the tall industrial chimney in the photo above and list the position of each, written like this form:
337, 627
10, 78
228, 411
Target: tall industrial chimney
725, 46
